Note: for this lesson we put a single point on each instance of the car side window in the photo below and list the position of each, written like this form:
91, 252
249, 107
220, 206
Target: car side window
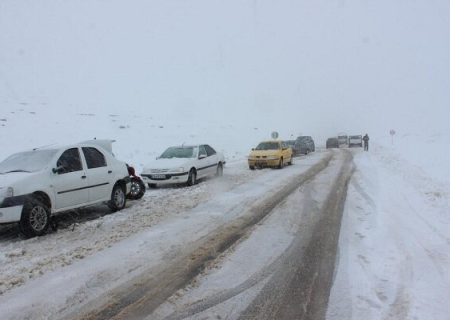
94, 158
210, 151
70, 161
202, 151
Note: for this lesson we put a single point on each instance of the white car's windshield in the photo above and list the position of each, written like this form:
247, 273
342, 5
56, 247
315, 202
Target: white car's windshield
268, 146
178, 152
29, 161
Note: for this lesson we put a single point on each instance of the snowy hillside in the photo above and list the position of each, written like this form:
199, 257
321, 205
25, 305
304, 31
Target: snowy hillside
139, 137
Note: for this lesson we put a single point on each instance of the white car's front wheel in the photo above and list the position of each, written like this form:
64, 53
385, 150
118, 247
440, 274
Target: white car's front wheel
192, 178
35, 218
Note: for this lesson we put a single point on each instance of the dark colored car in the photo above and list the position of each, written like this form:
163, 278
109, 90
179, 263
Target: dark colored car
291, 144
304, 145
332, 143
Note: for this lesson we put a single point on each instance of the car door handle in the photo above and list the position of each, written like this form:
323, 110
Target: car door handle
83, 177
109, 171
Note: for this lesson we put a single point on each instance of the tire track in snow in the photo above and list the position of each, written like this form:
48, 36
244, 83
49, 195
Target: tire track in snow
145, 293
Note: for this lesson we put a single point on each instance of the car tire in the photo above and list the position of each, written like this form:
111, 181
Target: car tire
251, 167
118, 198
35, 218
219, 171
281, 164
137, 189
192, 178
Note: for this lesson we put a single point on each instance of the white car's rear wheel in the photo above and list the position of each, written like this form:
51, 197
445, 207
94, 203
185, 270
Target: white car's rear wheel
118, 198
219, 172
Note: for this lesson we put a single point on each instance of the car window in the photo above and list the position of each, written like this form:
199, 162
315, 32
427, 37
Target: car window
94, 158
268, 146
70, 161
202, 151
178, 152
210, 151
29, 161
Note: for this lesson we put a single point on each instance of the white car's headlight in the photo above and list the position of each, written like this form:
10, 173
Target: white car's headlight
180, 169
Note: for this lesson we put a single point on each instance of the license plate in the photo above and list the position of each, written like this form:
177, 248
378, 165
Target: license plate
158, 176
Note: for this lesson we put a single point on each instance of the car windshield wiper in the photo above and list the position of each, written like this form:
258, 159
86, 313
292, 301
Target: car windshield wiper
18, 170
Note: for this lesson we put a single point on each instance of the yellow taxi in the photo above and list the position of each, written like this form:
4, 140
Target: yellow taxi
273, 153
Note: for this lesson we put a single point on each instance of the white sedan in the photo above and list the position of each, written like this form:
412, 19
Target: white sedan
39, 183
184, 165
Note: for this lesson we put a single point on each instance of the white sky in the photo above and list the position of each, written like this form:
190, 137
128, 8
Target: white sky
319, 66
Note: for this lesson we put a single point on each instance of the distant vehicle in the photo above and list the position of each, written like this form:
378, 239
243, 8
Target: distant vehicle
39, 183
274, 154
291, 144
343, 140
304, 145
332, 143
355, 141
184, 165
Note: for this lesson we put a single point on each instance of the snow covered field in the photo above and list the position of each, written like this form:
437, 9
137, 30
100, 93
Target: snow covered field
394, 260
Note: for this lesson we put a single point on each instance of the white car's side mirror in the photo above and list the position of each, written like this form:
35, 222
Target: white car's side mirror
58, 170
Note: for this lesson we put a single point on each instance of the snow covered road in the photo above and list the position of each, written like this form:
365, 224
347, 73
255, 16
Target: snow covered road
113, 249
252, 245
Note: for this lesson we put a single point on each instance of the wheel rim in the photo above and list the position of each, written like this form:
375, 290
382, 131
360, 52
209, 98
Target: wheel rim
119, 198
38, 218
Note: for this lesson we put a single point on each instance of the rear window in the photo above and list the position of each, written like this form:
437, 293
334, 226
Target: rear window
94, 158
268, 146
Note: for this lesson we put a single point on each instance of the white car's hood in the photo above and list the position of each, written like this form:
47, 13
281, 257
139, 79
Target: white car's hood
171, 163
6, 179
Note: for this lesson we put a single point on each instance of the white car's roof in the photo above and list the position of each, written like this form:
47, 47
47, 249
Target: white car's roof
104, 144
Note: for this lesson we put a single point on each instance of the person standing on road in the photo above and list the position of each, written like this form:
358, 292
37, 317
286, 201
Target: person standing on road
366, 142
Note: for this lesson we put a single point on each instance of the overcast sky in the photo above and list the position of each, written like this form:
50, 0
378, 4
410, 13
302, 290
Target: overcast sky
320, 65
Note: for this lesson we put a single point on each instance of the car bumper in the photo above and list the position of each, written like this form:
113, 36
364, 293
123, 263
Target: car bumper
263, 163
358, 144
10, 214
166, 178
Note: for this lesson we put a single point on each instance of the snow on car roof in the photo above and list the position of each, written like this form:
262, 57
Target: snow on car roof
104, 144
